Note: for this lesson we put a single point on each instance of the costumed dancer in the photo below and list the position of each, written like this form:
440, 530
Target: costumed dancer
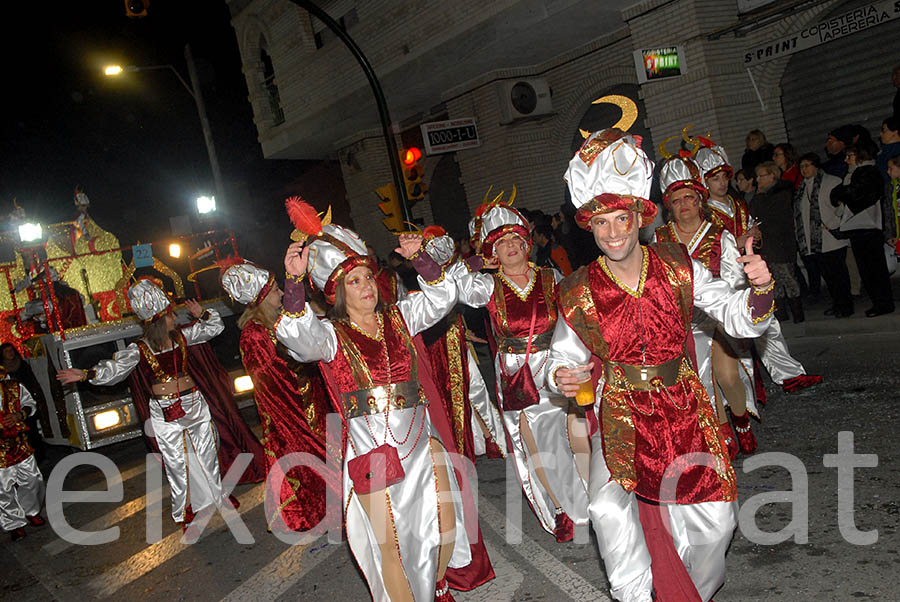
456, 370
396, 469
734, 215
21, 482
290, 398
632, 309
178, 384
542, 427
726, 374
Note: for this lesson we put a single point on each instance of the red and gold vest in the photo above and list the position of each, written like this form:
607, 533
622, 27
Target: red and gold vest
708, 250
511, 314
738, 223
14, 445
643, 432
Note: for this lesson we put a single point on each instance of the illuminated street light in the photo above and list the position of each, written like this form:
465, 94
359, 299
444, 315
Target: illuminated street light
195, 93
30, 232
206, 204
175, 250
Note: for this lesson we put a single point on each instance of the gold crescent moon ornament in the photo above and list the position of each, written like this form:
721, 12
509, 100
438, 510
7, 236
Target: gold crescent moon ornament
662, 147
628, 106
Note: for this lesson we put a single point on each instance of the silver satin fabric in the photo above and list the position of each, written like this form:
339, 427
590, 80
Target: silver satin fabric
546, 419
706, 527
413, 500
189, 445
21, 493
21, 485
482, 405
774, 355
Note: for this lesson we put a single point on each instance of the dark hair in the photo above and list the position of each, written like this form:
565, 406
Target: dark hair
892, 123
863, 152
813, 158
5, 345
790, 154
545, 230
338, 309
895, 161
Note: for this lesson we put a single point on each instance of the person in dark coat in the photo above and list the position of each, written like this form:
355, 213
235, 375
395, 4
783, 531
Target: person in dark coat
861, 222
758, 150
773, 209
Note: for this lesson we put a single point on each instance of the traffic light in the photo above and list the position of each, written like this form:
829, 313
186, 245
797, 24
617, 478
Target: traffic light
390, 206
413, 174
136, 8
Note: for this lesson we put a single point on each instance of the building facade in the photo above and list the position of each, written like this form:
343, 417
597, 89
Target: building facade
792, 68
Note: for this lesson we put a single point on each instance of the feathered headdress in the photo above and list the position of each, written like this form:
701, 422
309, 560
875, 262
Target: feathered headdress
307, 222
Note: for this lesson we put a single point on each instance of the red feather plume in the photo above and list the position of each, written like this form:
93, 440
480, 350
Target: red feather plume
433, 232
704, 141
303, 216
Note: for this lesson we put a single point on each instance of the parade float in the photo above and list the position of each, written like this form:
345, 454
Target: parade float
65, 306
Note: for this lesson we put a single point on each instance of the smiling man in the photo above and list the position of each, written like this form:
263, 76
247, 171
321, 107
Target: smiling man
659, 468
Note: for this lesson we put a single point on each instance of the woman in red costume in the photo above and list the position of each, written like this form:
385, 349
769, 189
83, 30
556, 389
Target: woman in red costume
290, 399
719, 367
408, 545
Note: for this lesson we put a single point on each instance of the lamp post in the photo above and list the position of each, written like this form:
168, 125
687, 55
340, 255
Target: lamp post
194, 90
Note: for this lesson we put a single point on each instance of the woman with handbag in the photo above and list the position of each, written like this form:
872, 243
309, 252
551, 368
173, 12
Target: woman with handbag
542, 428
396, 469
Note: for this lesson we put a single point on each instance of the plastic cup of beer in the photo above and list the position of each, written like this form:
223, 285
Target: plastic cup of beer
585, 394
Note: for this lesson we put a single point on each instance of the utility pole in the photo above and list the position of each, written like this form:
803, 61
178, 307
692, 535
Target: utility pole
204, 123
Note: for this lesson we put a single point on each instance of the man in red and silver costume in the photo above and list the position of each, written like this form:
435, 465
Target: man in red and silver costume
21, 483
662, 485
734, 215
548, 435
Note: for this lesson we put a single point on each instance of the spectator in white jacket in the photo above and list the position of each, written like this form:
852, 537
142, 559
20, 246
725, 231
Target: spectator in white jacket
814, 218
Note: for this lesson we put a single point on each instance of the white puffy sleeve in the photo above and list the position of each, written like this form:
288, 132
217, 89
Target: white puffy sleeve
732, 272
26, 400
474, 287
744, 314
437, 297
308, 338
566, 350
203, 330
117, 369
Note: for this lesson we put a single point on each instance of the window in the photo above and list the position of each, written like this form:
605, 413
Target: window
269, 85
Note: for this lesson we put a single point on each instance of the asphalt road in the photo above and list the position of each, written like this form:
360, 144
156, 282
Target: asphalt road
861, 362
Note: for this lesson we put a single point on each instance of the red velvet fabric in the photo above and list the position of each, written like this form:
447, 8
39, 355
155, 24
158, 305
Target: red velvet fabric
671, 580
400, 360
447, 371
387, 286
708, 251
666, 423
737, 224
234, 434
280, 401
517, 319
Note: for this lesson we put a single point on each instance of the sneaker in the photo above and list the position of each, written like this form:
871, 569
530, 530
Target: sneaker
565, 528
797, 383
442, 592
37, 520
731, 443
17, 534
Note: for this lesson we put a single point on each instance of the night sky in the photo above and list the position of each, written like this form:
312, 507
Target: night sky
134, 143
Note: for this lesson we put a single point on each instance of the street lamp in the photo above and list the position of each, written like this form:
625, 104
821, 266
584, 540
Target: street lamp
194, 90
206, 204
30, 232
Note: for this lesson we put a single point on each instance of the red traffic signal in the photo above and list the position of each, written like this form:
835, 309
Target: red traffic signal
136, 8
411, 156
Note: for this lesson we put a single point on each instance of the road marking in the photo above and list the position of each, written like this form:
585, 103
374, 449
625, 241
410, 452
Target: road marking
272, 580
105, 521
152, 556
570, 582
501, 589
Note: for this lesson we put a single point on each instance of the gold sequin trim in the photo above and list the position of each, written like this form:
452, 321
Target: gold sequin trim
436, 280
291, 314
640, 288
514, 288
